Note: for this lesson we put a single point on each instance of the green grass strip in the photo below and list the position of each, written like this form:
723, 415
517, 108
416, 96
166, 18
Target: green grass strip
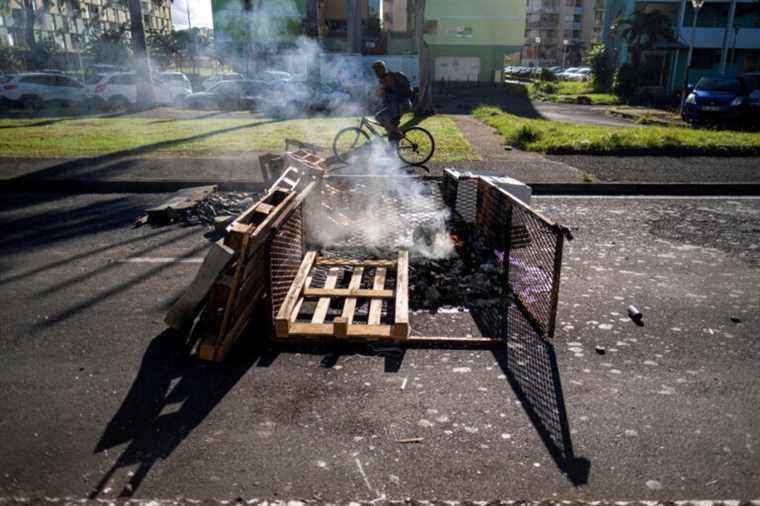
567, 138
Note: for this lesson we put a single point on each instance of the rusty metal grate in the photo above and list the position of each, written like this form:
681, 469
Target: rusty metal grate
529, 249
286, 253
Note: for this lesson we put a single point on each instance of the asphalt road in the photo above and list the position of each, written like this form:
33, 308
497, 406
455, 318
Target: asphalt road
97, 400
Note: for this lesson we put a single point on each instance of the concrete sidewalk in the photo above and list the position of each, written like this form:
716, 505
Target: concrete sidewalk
98, 400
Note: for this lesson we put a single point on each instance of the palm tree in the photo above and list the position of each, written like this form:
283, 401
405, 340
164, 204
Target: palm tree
642, 31
424, 104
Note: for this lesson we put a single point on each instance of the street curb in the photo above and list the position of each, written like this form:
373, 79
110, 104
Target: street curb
647, 189
80, 186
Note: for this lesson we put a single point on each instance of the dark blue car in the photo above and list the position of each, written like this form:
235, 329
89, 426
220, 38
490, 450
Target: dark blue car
718, 100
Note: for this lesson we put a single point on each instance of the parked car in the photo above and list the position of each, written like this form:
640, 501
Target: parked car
717, 99
556, 69
119, 90
567, 72
217, 78
179, 84
230, 95
273, 75
753, 84
581, 74
296, 97
32, 90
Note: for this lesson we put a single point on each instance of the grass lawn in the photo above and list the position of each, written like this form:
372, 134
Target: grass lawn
558, 137
204, 138
568, 92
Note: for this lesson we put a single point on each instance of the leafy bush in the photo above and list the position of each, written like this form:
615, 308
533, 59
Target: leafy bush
525, 135
626, 81
602, 70
548, 76
545, 87
10, 60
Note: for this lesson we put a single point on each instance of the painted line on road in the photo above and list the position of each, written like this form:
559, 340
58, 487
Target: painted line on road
161, 260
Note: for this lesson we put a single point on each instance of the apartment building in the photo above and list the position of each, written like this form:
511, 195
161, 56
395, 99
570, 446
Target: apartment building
70, 25
466, 40
715, 40
559, 32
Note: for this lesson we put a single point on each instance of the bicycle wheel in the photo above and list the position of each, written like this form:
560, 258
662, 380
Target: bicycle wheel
416, 147
348, 141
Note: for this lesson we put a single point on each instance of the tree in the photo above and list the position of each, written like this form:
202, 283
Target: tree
602, 69
165, 48
108, 47
424, 104
10, 60
42, 53
642, 31
140, 55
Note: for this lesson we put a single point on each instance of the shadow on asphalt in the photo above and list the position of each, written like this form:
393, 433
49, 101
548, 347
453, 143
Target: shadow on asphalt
528, 362
456, 99
530, 365
151, 434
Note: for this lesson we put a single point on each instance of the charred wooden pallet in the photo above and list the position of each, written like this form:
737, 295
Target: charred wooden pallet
347, 299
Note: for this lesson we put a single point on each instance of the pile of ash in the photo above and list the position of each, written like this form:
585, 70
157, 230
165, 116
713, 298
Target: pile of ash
451, 283
199, 205
222, 205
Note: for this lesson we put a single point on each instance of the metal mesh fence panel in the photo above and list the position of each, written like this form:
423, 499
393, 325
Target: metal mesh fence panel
530, 250
286, 253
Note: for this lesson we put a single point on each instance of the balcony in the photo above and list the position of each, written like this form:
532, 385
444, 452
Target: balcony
747, 38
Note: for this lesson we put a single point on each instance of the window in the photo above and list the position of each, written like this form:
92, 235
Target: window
124, 79
40, 80
705, 58
67, 82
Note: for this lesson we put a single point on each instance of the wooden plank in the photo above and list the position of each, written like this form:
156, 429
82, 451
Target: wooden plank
328, 330
362, 263
183, 311
234, 290
297, 308
348, 292
349, 305
294, 293
376, 305
340, 325
324, 303
401, 322
469, 341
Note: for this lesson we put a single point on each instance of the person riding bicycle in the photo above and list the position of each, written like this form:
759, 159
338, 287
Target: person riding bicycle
396, 92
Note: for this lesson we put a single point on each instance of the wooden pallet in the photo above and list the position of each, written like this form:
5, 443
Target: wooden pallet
304, 312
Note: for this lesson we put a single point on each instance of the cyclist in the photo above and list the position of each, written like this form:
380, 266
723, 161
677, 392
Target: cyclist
396, 92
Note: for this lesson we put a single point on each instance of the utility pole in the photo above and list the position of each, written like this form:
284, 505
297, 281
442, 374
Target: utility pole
729, 25
141, 59
314, 66
696, 4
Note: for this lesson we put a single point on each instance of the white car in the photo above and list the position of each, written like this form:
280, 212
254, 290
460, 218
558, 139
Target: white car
217, 78
119, 90
274, 75
179, 83
582, 74
31, 90
565, 74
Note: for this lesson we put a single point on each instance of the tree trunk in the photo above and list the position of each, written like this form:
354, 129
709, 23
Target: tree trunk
145, 95
424, 104
313, 67
29, 20
354, 26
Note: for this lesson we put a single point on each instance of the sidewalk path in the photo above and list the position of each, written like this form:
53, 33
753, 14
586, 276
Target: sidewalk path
522, 165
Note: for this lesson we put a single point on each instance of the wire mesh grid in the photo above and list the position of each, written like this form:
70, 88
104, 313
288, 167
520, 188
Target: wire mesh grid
286, 254
379, 214
529, 248
532, 269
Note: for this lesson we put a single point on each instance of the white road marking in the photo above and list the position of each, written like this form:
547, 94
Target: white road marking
161, 260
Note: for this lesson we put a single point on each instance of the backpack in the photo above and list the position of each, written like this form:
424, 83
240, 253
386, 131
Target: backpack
403, 85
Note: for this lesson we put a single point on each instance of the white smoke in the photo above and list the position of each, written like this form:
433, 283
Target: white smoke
382, 210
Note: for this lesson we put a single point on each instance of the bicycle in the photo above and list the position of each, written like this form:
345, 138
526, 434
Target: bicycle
415, 148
